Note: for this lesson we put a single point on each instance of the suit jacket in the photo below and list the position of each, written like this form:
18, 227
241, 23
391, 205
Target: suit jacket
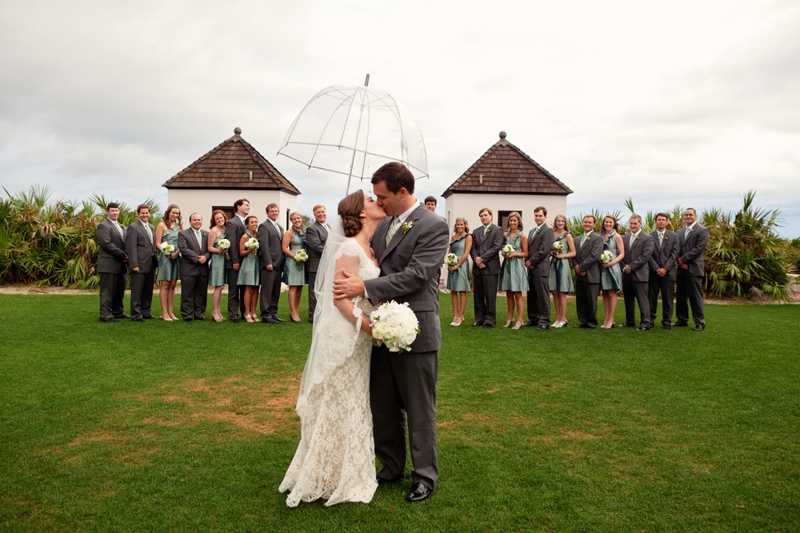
316, 236
691, 250
234, 229
140, 247
410, 266
539, 247
664, 256
271, 247
111, 257
587, 257
487, 247
637, 257
191, 252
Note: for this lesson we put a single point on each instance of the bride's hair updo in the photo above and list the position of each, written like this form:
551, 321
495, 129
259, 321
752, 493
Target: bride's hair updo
350, 209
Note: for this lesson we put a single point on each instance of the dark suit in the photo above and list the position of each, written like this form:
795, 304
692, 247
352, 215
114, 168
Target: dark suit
194, 276
635, 285
271, 253
587, 287
540, 244
234, 229
141, 249
664, 256
111, 267
403, 386
690, 282
316, 236
485, 280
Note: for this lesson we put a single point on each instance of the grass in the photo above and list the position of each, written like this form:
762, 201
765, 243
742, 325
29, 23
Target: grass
190, 427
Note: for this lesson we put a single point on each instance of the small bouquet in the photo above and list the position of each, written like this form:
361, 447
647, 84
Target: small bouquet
606, 257
224, 244
252, 244
451, 259
394, 325
167, 248
508, 249
558, 247
301, 256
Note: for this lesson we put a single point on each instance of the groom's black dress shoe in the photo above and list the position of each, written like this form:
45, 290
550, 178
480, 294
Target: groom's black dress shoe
419, 492
579, 326
543, 327
384, 481
123, 315
667, 326
643, 328
108, 319
477, 324
679, 324
530, 324
487, 325
699, 327
626, 325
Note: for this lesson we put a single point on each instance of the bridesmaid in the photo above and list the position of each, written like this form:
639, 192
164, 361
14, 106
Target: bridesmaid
561, 271
167, 231
216, 276
248, 270
514, 277
294, 274
458, 275
610, 274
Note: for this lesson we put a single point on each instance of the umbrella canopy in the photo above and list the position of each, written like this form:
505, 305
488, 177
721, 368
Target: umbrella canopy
354, 131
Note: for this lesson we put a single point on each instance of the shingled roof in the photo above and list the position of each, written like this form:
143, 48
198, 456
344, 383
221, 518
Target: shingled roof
234, 164
505, 169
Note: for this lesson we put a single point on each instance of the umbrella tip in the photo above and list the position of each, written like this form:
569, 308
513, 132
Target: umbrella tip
237, 130
366, 81
502, 135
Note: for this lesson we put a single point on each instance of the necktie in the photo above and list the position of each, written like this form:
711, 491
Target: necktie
660, 239
119, 228
485, 230
633, 239
150, 233
536, 231
199, 238
327, 229
392, 229
686, 232
583, 241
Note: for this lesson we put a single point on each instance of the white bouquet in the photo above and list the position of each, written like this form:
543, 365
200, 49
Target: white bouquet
301, 256
606, 257
394, 325
558, 247
224, 244
252, 244
167, 248
451, 259
508, 249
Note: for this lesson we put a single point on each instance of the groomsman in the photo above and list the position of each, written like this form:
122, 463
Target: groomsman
692, 242
587, 273
316, 236
234, 229
540, 244
193, 244
111, 265
487, 240
141, 249
636, 274
270, 236
662, 270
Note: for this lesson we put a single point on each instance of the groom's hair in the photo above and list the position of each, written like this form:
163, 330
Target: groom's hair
396, 175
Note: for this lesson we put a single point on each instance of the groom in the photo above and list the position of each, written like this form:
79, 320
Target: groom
409, 245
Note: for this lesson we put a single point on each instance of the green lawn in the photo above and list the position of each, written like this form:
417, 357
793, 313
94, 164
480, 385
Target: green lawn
190, 427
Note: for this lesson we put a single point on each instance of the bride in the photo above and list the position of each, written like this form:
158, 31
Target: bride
335, 460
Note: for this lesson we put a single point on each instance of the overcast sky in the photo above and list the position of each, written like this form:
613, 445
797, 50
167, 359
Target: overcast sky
683, 102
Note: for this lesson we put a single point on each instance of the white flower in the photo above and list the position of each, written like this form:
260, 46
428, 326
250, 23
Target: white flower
167, 248
606, 256
301, 256
394, 325
558, 247
508, 249
252, 244
223, 244
451, 259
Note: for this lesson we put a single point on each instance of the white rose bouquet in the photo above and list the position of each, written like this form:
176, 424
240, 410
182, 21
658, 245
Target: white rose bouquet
451, 259
224, 244
394, 325
606, 257
167, 248
301, 256
558, 247
252, 244
507, 249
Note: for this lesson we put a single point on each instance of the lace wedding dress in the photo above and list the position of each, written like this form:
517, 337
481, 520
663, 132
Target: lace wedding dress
335, 460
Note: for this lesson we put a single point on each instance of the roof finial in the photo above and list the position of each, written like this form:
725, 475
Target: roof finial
366, 81
237, 130
502, 135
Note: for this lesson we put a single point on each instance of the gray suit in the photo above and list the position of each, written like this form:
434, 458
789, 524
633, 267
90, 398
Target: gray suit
587, 287
403, 386
194, 276
270, 253
540, 244
635, 285
664, 256
142, 251
111, 267
234, 229
690, 282
485, 280
316, 236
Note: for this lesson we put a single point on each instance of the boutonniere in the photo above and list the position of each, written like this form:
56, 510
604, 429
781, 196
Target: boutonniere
666, 237
488, 230
407, 226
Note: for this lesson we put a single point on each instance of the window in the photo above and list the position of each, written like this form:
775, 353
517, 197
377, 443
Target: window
502, 217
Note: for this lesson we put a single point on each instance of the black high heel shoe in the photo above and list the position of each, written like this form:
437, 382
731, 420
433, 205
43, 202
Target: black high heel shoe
295, 321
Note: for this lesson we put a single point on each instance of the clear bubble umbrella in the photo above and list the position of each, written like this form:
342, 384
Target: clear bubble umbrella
354, 131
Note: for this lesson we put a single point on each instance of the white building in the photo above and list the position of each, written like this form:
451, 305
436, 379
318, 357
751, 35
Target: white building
505, 179
231, 171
